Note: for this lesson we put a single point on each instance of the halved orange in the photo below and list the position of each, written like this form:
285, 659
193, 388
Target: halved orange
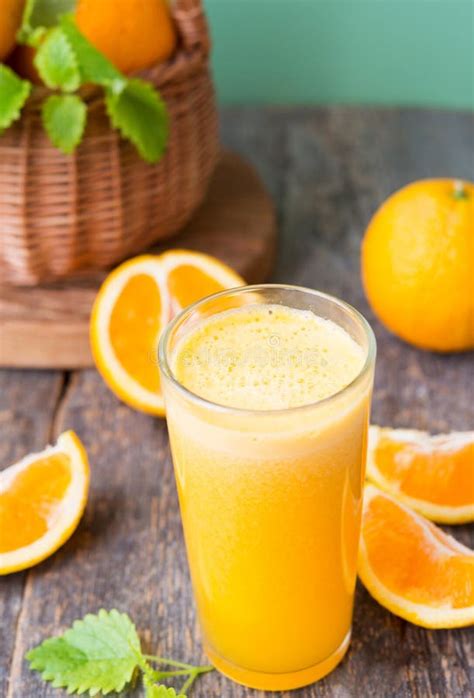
191, 276
129, 313
432, 474
411, 567
133, 306
42, 498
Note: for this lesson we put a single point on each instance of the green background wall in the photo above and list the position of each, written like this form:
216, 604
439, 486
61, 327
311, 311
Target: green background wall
408, 52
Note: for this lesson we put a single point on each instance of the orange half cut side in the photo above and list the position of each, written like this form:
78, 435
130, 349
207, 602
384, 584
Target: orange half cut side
191, 276
128, 316
132, 308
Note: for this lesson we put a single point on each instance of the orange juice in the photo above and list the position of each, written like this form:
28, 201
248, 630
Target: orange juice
267, 410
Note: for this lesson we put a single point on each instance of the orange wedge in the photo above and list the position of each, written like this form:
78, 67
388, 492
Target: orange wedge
191, 276
432, 474
42, 499
411, 567
133, 306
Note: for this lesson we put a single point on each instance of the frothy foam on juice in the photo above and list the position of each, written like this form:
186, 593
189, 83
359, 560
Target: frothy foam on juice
266, 357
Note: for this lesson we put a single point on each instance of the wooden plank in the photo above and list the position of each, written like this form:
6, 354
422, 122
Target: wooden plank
48, 326
28, 401
329, 169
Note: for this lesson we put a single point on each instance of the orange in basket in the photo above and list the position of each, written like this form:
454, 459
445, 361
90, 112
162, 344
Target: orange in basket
11, 14
133, 34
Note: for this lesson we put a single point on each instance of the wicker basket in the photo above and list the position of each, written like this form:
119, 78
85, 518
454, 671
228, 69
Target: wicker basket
60, 215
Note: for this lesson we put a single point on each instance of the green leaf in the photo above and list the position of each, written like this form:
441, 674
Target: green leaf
141, 116
94, 66
56, 62
13, 94
64, 119
98, 654
39, 15
154, 691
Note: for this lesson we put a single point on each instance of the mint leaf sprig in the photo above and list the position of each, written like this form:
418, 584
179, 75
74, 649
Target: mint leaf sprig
66, 61
39, 16
102, 653
13, 95
64, 119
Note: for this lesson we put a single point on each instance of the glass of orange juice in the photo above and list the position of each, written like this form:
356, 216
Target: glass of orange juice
267, 392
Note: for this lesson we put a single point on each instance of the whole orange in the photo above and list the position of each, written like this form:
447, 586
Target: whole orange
418, 264
133, 34
11, 12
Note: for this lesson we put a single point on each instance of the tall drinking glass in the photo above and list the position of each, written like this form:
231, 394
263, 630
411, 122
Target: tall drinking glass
270, 498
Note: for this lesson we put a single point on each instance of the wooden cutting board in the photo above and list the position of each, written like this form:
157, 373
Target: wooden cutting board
47, 326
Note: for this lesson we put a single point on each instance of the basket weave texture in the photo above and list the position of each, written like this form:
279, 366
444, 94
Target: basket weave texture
64, 214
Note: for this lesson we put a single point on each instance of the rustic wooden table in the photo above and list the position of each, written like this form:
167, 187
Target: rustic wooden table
327, 170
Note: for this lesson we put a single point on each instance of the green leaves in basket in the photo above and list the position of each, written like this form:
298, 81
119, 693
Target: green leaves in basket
140, 115
57, 63
102, 653
13, 94
134, 107
64, 118
39, 15
66, 60
94, 66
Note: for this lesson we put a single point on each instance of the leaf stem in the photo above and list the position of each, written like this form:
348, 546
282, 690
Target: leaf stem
183, 669
194, 675
189, 682
205, 669
158, 675
181, 665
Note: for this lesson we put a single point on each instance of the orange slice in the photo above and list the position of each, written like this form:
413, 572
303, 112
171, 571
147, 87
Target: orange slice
432, 474
133, 306
129, 313
42, 499
191, 276
411, 567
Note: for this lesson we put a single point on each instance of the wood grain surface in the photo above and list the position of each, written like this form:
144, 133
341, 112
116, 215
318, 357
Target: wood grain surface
48, 326
327, 170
